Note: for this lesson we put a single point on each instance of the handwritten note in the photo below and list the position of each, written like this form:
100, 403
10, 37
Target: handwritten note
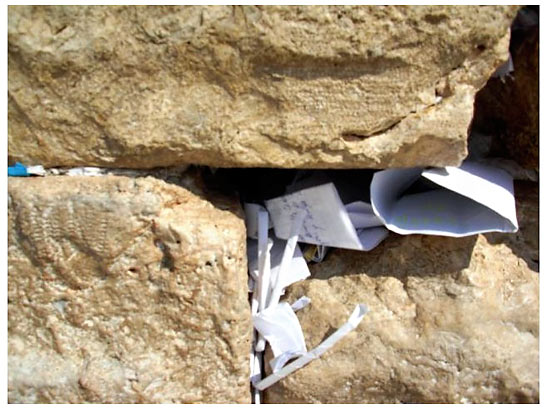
327, 221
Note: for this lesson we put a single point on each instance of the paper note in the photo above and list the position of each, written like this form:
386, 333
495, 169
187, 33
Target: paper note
21, 170
300, 303
280, 327
362, 215
17, 170
297, 271
326, 220
251, 219
256, 359
286, 260
264, 268
86, 171
352, 323
471, 199
315, 253
37, 170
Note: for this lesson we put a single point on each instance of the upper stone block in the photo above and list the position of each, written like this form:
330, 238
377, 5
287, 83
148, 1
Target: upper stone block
244, 86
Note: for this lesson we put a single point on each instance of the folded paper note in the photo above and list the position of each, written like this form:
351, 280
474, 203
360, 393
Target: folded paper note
256, 369
86, 171
352, 323
326, 220
281, 328
264, 278
471, 199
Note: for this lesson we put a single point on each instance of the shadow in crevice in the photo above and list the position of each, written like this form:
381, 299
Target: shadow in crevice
398, 256
255, 185
429, 256
525, 242
401, 257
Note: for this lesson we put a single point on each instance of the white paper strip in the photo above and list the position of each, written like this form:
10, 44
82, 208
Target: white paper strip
286, 260
251, 218
263, 265
350, 325
264, 287
256, 369
298, 269
279, 361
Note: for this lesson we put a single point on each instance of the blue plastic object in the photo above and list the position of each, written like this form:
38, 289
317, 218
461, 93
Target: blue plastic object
18, 170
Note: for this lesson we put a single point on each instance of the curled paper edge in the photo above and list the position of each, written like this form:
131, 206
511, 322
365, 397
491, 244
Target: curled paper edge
352, 323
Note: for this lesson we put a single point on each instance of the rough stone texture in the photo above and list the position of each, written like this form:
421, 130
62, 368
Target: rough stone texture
451, 320
272, 86
124, 290
507, 110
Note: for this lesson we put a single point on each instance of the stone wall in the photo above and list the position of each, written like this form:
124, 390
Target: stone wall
132, 287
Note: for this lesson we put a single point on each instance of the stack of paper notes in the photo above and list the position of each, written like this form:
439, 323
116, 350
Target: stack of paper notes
451, 201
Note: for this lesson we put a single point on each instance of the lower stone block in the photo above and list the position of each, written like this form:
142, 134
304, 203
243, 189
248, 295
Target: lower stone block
124, 290
451, 320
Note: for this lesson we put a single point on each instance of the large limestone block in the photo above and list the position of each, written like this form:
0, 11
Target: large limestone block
271, 86
451, 320
124, 290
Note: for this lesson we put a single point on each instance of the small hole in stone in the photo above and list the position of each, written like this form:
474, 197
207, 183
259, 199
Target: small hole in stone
481, 47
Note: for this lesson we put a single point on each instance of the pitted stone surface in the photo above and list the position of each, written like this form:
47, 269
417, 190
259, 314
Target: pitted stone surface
124, 290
